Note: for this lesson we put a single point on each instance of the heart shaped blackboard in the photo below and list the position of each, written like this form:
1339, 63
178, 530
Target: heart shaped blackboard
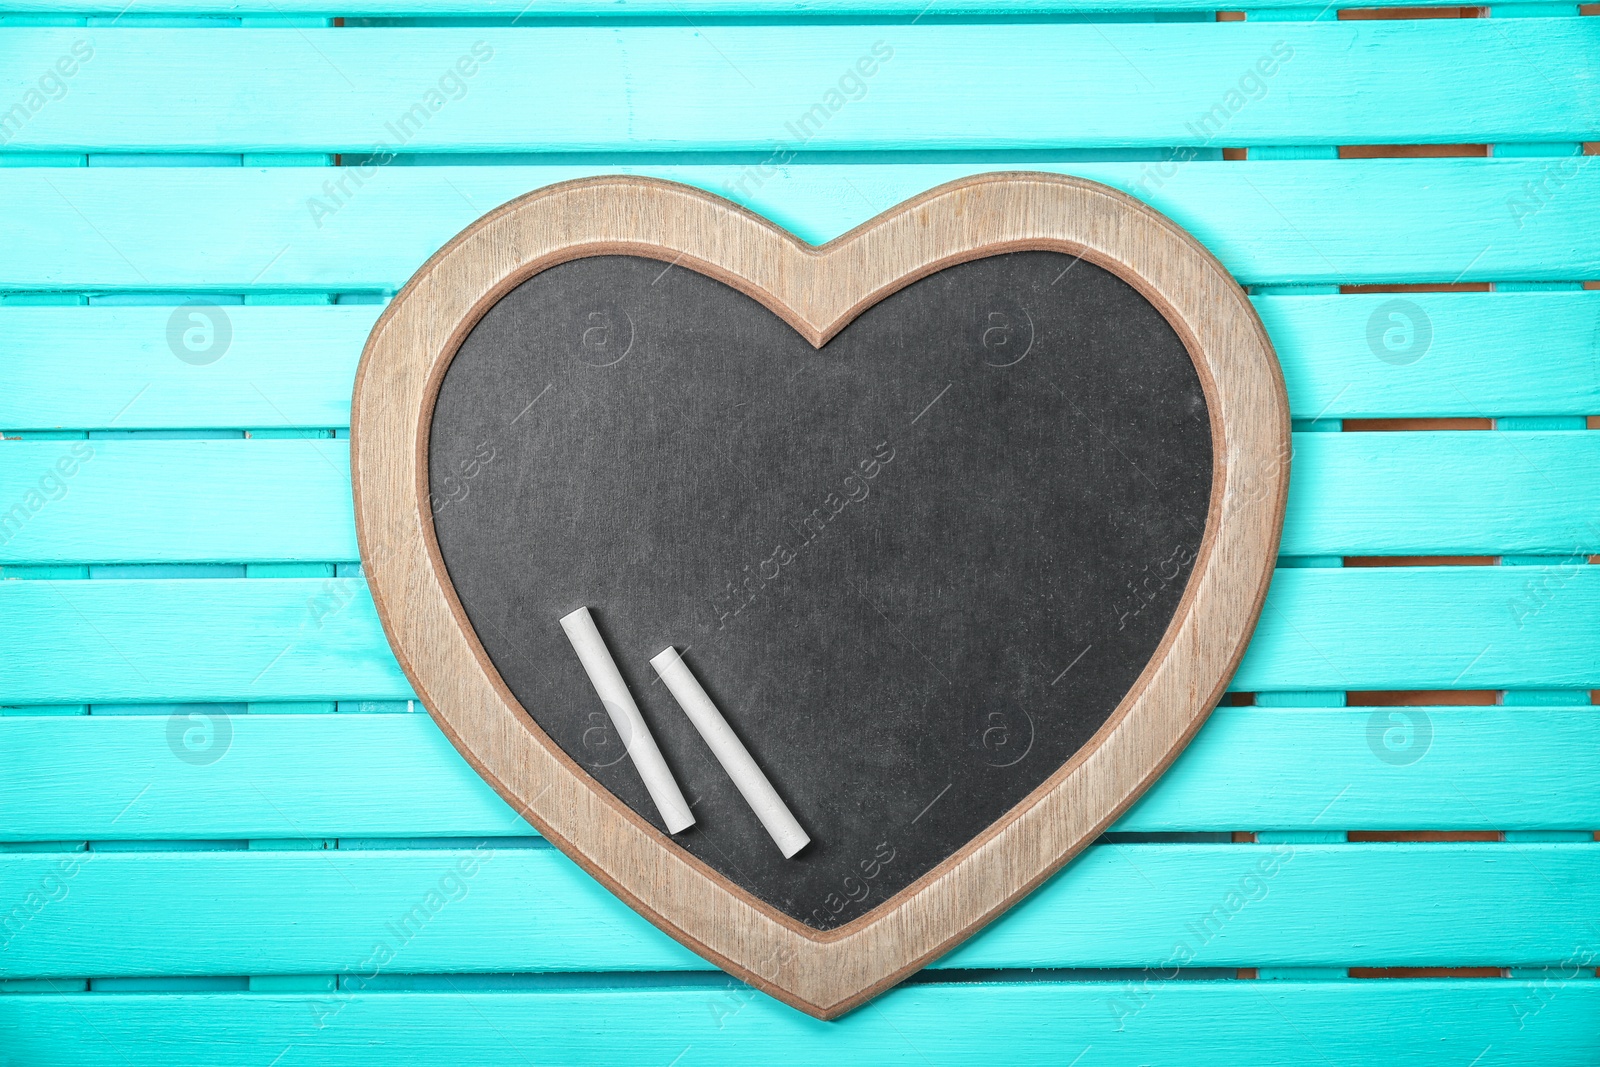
916, 568
961, 521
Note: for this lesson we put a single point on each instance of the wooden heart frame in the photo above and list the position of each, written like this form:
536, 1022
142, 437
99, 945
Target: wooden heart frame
818, 290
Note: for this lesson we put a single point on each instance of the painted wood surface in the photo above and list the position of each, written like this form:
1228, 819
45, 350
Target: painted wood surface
230, 231
275, 367
1340, 222
1478, 355
144, 640
533, 910
1441, 493
1044, 1022
678, 87
1427, 494
291, 776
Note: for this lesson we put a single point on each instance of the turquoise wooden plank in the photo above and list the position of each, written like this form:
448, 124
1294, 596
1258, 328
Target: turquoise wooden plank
180, 366
157, 640
331, 776
853, 87
1426, 628
1044, 1023
534, 910
289, 500
269, 639
1443, 493
1438, 768
1308, 221
224, 500
1478, 354
1387, 355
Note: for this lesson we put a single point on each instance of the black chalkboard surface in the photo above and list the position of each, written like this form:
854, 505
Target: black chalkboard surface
916, 569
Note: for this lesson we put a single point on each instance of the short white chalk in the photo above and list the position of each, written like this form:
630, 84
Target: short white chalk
731, 753
619, 704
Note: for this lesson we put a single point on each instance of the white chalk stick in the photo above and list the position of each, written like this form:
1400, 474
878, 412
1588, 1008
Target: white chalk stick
636, 738
731, 753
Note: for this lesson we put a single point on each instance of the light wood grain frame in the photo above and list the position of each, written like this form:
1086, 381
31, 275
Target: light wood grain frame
818, 290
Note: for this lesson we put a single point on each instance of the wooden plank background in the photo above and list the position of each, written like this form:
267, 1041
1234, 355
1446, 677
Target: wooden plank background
218, 797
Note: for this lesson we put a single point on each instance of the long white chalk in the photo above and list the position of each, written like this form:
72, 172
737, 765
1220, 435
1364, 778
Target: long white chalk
731, 753
636, 739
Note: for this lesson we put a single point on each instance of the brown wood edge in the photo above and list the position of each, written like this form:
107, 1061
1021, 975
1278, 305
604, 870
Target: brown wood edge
809, 963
